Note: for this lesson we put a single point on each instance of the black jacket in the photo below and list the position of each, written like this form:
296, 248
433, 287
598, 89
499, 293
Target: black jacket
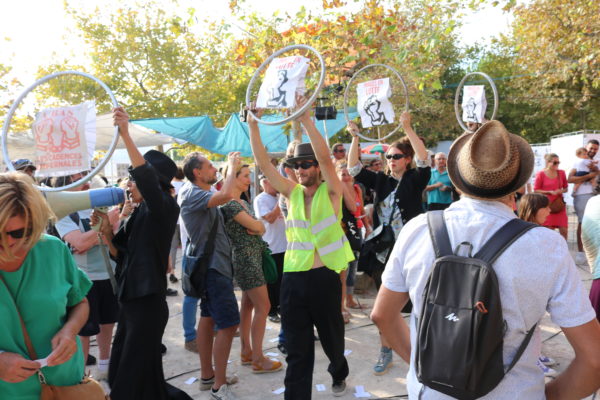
144, 240
408, 196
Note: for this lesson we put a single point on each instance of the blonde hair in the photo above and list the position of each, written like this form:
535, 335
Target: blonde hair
580, 151
237, 170
18, 197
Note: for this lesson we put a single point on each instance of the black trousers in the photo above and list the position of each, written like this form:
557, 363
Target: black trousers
310, 298
274, 289
135, 371
438, 206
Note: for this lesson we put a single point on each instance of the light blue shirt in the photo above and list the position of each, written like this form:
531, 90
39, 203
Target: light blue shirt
590, 234
436, 195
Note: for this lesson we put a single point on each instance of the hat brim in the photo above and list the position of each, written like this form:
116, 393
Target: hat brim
524, 174
301, 158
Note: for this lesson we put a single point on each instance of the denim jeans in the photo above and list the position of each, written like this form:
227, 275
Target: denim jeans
190, 308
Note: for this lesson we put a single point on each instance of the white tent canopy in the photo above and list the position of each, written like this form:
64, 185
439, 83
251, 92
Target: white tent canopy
21, 145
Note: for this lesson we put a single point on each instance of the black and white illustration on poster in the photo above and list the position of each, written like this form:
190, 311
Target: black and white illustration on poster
474, 103
374, 104
65, 138
284, 77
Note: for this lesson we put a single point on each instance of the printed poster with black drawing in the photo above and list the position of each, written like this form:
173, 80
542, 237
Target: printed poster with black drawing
284, 77
374, 104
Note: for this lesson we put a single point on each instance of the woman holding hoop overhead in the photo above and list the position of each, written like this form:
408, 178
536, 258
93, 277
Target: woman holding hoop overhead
40, 283
552, 182
398, 199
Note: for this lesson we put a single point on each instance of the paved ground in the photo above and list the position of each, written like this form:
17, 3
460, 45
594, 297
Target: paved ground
361, 339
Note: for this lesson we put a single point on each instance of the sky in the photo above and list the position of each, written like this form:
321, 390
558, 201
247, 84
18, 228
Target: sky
37, 28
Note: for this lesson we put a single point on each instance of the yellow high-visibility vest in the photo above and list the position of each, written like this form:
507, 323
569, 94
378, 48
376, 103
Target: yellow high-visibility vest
322, 233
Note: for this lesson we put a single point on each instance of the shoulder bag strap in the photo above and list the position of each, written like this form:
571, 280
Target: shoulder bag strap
439, 233
502, 239
30, 348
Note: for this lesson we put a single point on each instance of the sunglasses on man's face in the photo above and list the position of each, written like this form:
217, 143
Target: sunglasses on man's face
395, 156
305, 164
342, 150
17, 233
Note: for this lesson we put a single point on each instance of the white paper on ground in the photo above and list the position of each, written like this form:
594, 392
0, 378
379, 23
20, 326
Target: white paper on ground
347, 352
272, 354
274, 340
191, 380
360, 392
279, 391
320, 387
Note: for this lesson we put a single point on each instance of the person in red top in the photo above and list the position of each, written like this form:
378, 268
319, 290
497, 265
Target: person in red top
552, 182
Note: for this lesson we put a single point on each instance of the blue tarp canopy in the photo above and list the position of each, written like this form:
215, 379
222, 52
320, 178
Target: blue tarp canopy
234, 136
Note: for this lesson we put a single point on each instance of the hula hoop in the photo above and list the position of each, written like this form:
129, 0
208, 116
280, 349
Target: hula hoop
346, 92
310, 100
457, 110
13, 108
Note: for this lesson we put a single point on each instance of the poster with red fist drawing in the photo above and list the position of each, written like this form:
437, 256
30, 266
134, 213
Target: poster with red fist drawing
374, 104
474, 103
65, 139
284, 77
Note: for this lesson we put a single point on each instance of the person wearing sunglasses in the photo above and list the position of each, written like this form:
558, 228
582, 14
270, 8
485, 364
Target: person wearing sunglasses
398, 199
552, 182
317, 251
339, 151
40, 283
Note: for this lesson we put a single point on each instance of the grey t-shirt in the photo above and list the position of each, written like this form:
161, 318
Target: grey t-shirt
198, 220
92, 262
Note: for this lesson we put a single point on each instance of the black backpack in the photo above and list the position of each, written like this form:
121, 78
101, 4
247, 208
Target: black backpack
461, 327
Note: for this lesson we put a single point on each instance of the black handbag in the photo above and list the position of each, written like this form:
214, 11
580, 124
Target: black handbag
194, 268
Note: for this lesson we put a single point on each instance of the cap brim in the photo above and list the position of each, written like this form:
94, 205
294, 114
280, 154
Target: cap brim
525, 167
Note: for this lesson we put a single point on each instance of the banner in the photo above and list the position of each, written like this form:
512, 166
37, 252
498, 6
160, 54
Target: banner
374, 106
284, 77
65, 138
474, 103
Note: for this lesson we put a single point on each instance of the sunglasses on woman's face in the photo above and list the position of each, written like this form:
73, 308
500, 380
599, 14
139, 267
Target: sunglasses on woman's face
17, 233
555, 162
395, 156
305, 164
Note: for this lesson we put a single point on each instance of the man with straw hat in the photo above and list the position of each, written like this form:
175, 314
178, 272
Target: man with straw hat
535, 274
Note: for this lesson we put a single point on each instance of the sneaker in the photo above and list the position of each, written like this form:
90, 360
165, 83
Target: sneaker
549, 372
192, 346
580, 258
547, 361
206, 384
224, 393
171, 292
91, 360
281, 347
274, 317
173, 278
338, 388
384, 362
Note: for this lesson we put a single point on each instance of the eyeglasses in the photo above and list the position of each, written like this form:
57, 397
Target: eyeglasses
18, 233
395, 156
305, 164
342, 150
555, 162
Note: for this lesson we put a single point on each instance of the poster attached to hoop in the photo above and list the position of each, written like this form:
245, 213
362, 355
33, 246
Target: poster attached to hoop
65, 138
474, 103
284, 77
374, 104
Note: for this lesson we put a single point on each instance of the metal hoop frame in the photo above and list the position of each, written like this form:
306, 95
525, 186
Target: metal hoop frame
310, 100
37, 83
457, 110
347, 91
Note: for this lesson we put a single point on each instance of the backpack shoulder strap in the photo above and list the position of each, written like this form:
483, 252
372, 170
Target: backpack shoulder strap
439, 233
521, 348
502, 239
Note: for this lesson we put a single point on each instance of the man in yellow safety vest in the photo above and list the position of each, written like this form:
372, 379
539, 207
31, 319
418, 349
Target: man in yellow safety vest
317, 251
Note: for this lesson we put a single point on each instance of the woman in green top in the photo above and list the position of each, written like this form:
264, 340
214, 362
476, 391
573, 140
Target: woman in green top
39, 277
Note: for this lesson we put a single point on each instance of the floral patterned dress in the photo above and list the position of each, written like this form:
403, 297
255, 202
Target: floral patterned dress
247, 248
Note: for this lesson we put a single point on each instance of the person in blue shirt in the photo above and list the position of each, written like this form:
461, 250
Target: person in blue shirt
439, 188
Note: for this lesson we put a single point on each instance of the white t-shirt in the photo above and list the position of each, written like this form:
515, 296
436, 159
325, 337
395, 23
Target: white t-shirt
535, 274
583, 165
274, 235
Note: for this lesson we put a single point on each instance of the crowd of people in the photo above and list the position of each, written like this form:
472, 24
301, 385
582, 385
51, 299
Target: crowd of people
322, 214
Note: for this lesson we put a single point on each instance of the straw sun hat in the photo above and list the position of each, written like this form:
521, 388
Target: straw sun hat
490, 163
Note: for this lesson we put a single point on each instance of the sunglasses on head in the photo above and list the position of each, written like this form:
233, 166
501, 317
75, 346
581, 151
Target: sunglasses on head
305, 164
17, 233
395, 156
